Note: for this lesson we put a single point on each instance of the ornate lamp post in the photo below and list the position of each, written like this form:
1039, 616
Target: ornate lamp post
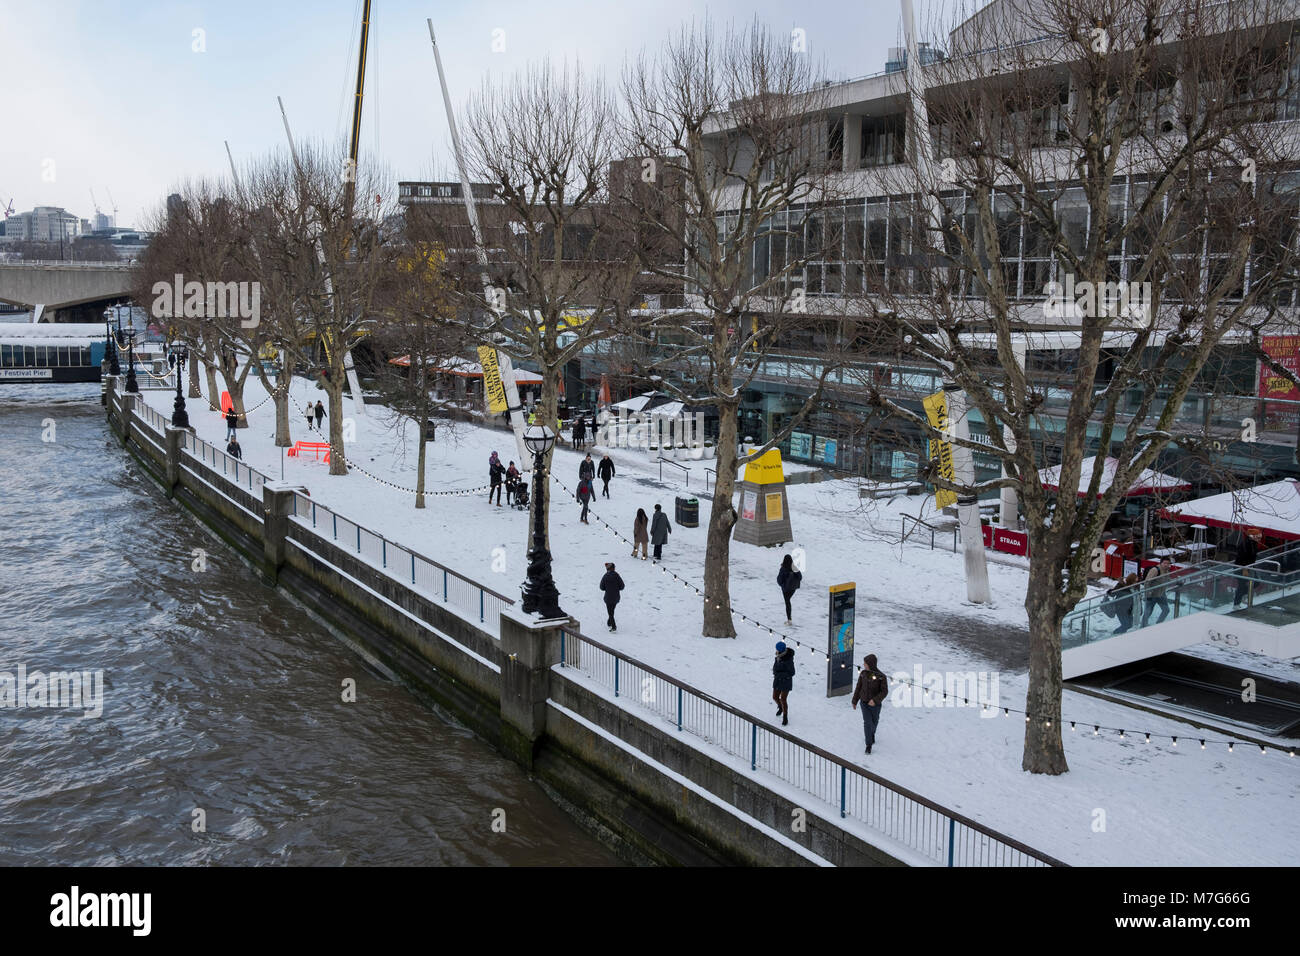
539, 591
131, 384
178, 356
111, 340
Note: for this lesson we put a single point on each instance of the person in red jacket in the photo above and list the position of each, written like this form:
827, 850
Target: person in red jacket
872, 690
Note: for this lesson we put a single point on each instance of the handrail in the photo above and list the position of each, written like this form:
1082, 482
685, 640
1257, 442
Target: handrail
933, 529
707, 472
843, 764
664, 461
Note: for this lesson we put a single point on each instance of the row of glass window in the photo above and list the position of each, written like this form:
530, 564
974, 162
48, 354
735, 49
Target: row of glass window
44, 356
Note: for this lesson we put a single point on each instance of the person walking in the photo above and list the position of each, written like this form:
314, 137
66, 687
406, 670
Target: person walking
1161, 600
232, 422
640, 533
1119, 600
788, 579
871, 690
320, 413
310, 411
1247, 553
585, 493
660, 529
611, 584
233, 449
606, 472
496, 472
579, 433
512, 482
783, 680
587, 470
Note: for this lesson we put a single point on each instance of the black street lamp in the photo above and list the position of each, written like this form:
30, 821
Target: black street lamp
539, 591
131, 384
111, 340
179, 353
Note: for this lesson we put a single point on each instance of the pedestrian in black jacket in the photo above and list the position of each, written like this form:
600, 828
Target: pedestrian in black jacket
660, 529
611, 584
606, 472
579, 432
872, 690
585, 493
496, 474
789, 580
783, 680
233, 449
320, 413
587, 470
232, 422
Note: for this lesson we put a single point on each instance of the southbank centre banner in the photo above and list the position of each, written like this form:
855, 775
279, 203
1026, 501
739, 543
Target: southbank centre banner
936, 410
1285, 351
494, 390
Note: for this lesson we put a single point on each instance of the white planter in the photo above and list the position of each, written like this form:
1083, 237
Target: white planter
710, 452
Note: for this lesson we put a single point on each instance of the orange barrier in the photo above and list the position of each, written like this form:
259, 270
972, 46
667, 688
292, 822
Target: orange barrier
313, 446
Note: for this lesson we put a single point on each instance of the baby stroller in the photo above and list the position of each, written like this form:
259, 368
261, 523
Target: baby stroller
520, 497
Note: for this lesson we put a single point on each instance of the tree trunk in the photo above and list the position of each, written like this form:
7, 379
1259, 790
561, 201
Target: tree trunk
282, 439
419, 470
717, 554
210, 372
1044, 752
195, 391
334, 388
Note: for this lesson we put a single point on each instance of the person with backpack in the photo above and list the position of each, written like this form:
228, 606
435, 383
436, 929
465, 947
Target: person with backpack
872, 689
783, 680
788, 579
1155, 579
585, 493
606, 472
496, 472
232, 422
1119, 602
611, 584
640, 533
1247, 554
660, 529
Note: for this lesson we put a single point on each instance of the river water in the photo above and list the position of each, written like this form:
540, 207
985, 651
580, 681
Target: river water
218, 694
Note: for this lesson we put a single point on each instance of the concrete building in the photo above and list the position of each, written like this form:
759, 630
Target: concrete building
43, 224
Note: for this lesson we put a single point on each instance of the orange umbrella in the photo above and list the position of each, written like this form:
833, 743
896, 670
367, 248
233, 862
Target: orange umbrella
561, 392
604, 389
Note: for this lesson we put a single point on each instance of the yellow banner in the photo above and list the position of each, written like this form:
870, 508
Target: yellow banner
493, 388
936, 409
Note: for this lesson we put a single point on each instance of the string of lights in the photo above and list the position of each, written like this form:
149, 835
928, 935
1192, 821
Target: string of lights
1097, 727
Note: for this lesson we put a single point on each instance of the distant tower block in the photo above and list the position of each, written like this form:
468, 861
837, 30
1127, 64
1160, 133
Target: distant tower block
764, 512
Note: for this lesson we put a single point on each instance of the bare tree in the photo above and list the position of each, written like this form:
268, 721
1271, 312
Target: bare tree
733, 125
1100, 169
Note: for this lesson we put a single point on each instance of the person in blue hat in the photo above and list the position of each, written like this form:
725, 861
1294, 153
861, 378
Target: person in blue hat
783, 680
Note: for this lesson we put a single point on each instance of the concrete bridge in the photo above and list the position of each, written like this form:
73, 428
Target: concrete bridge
67, 291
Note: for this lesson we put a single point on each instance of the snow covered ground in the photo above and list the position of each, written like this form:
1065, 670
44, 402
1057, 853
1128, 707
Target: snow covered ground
1124, 801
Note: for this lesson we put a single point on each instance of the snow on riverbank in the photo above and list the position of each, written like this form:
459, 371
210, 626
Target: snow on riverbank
1124, 802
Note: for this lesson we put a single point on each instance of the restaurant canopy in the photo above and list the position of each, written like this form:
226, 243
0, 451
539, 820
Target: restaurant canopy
1273, 508
468, 369
1148, 483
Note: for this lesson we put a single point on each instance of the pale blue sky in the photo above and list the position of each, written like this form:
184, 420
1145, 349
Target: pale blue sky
112, 92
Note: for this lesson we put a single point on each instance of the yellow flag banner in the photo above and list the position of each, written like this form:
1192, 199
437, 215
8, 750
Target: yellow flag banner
493, 388
936, 410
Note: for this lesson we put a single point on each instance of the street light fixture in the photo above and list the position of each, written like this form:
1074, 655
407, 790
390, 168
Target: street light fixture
131, 384
539, 591
111, 341
178, 355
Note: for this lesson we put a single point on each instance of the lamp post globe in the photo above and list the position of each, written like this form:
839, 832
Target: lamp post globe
131, 384
540, 596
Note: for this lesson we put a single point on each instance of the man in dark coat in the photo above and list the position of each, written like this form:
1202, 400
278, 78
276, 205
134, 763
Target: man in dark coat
233, 449
587, 470
606, 472
320, 413
585, 493
660, 529
872, 690
611, 584
579, 432
496, 474
232, 422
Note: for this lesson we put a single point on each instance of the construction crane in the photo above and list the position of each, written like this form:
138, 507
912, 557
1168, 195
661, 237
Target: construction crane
9, 207
112, 205
95, 205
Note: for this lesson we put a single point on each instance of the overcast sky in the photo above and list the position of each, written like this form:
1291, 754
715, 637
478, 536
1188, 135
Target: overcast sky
125, 95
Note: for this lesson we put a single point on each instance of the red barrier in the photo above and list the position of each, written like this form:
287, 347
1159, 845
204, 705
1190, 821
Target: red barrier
226, 403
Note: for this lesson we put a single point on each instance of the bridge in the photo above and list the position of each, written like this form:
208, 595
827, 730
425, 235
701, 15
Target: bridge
63, 290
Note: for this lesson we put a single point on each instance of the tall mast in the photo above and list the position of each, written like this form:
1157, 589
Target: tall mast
354, 143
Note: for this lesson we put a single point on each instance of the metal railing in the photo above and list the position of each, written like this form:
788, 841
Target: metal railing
707, 472
414, 570
920, 522
664, 461
937, 833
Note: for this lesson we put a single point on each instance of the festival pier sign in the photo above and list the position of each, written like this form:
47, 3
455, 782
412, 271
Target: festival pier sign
1285, 350
764, 516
